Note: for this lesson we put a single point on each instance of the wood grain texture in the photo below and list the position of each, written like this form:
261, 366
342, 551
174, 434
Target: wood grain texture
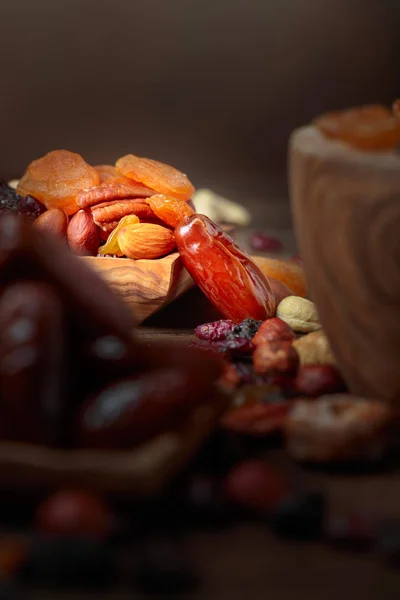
346, 208
145, 285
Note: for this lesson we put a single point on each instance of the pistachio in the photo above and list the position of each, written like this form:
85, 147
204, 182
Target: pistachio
301, 314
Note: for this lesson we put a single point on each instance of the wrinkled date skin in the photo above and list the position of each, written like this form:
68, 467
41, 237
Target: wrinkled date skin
224, 272
133, 410
31, 359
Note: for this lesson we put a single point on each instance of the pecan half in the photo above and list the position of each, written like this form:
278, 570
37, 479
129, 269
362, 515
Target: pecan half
106, 212
111, 191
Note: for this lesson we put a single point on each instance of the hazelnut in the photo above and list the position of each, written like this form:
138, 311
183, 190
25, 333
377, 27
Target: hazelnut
275, 357
83, 234
54, 221
273, 329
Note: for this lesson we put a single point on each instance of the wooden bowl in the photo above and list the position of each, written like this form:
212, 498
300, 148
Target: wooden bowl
142, 471
346, 208
145, 285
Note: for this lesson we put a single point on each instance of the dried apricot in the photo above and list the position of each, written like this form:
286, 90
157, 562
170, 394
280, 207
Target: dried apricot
109, 174
371, 127
105, 192
156, 175
285, 271
170, 210
57, 178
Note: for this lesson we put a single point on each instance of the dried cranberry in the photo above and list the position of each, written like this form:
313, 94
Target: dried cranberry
8, 197
30, 208
246, 329
265, 243
215, 331
254, 485
74, 512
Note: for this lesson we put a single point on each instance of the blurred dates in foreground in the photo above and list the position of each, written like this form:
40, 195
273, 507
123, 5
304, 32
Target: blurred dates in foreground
224, 272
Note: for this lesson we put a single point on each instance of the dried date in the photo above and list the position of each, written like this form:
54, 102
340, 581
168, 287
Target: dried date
224, 272
133, 410
31, 359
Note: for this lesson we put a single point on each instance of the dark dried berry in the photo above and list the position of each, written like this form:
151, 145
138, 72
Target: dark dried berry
8, 197
236, 345
246, 329
164, 569
299, 516
264, 243
247, 374
74, 512
68, 562
254, 485
30, 208
215, 331
353, 531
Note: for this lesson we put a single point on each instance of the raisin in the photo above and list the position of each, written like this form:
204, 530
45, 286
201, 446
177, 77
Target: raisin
215, 331
235, 345
246, 329
8, 197
31, 208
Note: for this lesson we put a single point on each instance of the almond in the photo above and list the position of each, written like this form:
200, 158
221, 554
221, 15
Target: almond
145, 240
83, 235
55, 221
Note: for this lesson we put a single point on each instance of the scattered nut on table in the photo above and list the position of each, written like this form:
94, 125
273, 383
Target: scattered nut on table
300, 313
337, 427
314, 348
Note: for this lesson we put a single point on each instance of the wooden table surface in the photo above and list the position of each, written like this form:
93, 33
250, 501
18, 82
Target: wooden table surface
247, 561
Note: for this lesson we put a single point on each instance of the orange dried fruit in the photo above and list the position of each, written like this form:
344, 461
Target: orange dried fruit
156, 175
57, 178
285, 271
371, 127
109, 174
111, 246
170, 210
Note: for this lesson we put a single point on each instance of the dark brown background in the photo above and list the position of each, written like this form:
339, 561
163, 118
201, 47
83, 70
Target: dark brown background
214, 86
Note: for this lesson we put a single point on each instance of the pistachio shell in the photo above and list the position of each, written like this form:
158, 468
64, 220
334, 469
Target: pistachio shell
301, 314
